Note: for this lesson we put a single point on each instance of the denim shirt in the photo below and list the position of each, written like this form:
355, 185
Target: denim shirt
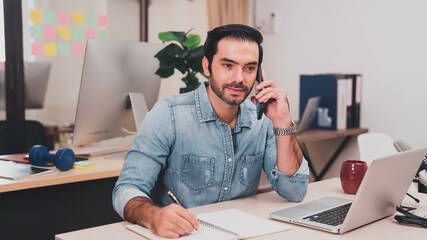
183, 146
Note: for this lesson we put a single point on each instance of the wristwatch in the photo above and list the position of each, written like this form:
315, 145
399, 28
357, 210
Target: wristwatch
286, 131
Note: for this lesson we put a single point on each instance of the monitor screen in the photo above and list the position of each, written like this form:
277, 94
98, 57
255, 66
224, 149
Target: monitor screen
111, 70
36, 76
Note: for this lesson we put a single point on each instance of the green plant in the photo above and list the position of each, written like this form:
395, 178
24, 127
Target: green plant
185, 57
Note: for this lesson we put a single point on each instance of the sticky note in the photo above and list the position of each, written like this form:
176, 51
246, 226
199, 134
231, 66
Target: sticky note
63, 17
2, 66
50, 49
37, 49
102, 20
78, 18
77, 49
36, 16
90, 19
64, 32
64, 49
49, 32
83, 165
102, 34
77, 34
36, 32
90, 33
49, 17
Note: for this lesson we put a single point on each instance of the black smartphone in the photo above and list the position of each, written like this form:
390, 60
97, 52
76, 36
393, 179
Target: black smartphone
259, 106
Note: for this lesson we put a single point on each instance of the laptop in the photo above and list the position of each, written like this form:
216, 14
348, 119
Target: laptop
310, 112
381, 191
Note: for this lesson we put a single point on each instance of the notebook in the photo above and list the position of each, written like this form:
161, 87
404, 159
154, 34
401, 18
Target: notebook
224, 224
381, 191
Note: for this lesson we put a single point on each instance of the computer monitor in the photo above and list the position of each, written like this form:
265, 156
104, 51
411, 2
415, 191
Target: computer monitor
36, 77
115, 74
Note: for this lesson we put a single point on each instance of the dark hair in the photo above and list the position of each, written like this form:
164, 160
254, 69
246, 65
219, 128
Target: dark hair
233, 31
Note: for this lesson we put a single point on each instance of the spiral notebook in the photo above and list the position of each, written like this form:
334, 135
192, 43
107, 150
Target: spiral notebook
224, 224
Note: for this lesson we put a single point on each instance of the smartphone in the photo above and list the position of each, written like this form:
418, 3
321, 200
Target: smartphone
259, 106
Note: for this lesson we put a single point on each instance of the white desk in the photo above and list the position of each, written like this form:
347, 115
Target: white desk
262, 204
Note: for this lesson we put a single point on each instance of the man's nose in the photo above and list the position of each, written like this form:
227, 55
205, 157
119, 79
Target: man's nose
238, 75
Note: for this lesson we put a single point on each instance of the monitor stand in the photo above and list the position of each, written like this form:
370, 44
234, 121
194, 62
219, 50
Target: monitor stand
120, 144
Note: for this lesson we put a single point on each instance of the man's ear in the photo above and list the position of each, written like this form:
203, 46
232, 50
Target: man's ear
205, 65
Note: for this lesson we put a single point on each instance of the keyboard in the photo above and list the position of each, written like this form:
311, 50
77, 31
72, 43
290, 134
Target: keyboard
333, 217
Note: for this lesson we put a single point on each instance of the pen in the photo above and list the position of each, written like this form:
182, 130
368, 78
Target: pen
177, 202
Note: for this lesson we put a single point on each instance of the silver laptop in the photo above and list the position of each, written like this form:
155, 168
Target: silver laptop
309, 114
381, 191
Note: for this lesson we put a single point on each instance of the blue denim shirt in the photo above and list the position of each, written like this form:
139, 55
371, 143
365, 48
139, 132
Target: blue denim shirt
183, 146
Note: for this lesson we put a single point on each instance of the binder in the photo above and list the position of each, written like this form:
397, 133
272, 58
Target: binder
332, 112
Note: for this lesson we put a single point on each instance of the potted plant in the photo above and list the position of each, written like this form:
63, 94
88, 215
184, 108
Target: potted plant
185, 57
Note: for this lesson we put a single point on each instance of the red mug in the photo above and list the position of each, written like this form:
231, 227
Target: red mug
352, 172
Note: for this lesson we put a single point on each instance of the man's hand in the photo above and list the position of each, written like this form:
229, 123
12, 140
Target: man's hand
276, 102
171, 221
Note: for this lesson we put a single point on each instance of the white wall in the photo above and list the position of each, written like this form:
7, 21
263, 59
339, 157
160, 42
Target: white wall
385, 40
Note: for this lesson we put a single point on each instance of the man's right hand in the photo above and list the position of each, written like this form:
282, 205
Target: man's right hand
171, 221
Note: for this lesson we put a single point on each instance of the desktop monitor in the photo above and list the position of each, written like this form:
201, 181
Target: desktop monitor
36, 76
116, 74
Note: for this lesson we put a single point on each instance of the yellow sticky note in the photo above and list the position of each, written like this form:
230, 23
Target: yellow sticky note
50, 49
36, 16
78, 17
64, 32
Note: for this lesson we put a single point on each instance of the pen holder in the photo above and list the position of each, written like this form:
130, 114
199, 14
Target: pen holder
351, 174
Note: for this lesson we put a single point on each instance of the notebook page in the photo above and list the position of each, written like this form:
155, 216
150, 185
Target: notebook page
204, 233
244, 224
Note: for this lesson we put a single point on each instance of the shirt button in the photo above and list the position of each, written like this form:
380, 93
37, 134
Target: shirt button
225, 188
229, 159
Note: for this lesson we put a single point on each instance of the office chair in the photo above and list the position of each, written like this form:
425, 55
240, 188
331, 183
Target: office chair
374, 145
18, 136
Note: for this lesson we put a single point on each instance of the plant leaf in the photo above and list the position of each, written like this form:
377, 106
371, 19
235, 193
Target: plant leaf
191, 41
165, 70
168, 53
194, 59
172, 36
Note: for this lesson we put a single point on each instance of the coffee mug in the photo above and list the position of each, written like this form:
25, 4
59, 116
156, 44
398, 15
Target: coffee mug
352, 172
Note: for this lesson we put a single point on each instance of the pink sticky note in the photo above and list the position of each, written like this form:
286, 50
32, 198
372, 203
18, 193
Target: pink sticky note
2, 66
102, 20
37, 49
49, 32
63, 17
90, 33
77, 49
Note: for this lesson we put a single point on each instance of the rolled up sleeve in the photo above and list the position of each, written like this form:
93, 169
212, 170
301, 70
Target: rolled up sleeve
146, 158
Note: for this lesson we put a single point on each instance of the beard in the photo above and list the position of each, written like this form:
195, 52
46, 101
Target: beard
220, 91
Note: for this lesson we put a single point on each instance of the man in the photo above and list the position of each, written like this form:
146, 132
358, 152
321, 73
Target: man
207, 146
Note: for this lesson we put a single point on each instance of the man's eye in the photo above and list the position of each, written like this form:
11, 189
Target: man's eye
227, 65
250, 68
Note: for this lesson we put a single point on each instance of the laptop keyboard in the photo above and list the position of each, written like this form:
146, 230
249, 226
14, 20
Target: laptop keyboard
333, 217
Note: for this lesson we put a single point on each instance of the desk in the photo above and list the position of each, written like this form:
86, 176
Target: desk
322, 135
39, 207
262, 204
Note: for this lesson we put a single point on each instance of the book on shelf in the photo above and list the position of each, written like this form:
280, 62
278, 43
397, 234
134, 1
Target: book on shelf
224, 224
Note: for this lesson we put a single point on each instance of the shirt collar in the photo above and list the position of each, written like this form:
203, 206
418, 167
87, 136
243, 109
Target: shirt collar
206, 113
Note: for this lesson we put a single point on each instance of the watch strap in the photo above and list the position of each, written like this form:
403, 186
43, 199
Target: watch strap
286, 131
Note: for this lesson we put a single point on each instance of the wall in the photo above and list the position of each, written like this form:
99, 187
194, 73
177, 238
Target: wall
384, 40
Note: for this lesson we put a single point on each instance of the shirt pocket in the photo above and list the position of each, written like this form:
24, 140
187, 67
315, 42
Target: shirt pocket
250, 172
198, 172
